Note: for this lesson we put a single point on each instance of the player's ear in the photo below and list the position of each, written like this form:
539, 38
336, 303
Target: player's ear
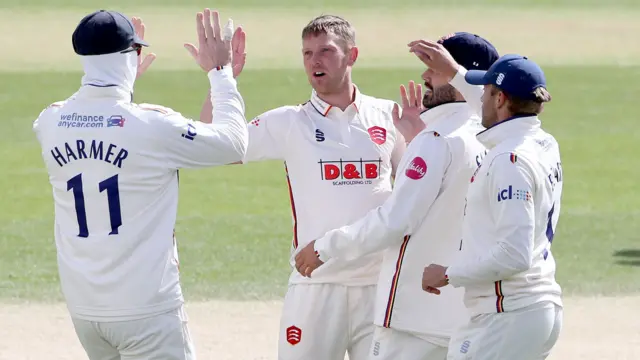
353, 55
501, 99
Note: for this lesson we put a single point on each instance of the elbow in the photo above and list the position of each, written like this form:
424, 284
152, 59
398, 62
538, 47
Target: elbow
523, 264
520, 260
239, 145
233, 145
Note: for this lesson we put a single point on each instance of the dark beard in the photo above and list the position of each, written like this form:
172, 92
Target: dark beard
442, 95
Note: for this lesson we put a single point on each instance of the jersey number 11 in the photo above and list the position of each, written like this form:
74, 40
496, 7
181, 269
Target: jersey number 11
113, 198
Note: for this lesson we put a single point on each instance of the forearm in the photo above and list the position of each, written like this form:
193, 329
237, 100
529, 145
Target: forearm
500, 262
206, 113
372, 233
227, 108
472, 93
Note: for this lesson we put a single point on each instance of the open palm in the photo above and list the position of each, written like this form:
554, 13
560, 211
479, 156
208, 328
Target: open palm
238, 49
409, 123
143, 65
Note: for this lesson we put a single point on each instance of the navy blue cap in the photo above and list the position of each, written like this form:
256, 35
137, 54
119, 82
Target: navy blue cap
104, 32
514, 74
469, 50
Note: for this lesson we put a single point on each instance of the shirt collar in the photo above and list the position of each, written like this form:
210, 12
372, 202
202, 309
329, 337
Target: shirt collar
442, 118
512, 127
324, 108
104, 91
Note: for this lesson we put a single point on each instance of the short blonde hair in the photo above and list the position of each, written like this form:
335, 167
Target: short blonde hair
331, 24
518, 106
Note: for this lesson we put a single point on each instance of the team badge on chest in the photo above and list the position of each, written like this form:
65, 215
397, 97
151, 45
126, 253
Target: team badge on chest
377, 134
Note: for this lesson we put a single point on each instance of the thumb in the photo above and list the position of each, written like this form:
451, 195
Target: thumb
193, 50
148, 60
396, 113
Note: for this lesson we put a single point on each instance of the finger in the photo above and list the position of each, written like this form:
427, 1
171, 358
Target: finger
395, 113
412, 93
308, 271
239, 41
142, 30
216, 26
202, 37
208, 27
429, 44
193, 50
136, 25
227, 32
419, 96
403, 96
432, 290
424, 57
148, 60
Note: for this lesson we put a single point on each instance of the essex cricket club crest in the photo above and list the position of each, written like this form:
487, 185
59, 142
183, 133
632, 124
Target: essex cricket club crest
294, 335
377, 134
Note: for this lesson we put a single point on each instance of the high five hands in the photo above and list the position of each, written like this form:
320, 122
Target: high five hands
216, 49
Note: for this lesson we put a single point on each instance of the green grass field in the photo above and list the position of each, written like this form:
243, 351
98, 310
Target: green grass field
234, 223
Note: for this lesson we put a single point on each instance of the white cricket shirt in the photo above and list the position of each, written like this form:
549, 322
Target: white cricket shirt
513, 206
420, 224
339, 165
113, 166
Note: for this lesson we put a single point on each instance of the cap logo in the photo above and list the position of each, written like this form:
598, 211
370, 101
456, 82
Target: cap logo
500, 79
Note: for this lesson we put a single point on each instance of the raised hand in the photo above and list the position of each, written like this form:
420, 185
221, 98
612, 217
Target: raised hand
238, 45
409, 123
214, 48
143, 65
435, 56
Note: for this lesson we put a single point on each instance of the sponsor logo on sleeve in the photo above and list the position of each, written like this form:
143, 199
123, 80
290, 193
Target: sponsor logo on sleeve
510, 193
255, 122
191, 132
416, 169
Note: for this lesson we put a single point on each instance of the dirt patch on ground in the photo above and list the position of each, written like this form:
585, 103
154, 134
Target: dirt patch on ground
42, 41
594, 329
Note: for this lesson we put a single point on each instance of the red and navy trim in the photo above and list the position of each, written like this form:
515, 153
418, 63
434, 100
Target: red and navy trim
499, 297
394, 283
293, 209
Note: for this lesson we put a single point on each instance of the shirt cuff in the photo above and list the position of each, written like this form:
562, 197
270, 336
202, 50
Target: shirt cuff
458, 79
221, 78
451, 275
321, 247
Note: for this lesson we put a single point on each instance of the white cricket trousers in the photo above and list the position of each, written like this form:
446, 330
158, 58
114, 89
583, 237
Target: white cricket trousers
161, 337
525, 334
326, 321
390, 344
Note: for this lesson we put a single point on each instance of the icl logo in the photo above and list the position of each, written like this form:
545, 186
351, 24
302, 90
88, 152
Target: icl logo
508, 194
191, 132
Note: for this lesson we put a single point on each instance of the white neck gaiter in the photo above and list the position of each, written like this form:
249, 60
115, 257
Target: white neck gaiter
111, 70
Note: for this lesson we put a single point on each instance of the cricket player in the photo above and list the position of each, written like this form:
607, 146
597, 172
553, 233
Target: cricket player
113, 166
421, 222
340, 150
513, 204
